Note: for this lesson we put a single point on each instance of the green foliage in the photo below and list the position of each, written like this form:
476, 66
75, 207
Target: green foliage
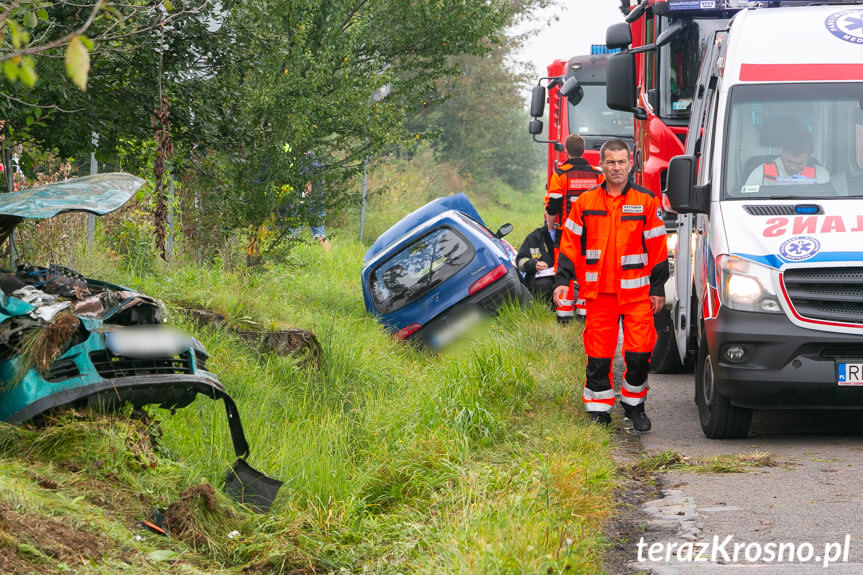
481, 126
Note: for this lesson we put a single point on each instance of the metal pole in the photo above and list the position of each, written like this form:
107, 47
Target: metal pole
94, 169
10, 187
363, 207
169, 242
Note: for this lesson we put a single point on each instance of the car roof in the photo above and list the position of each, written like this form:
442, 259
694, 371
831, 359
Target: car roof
100, 194
458, 202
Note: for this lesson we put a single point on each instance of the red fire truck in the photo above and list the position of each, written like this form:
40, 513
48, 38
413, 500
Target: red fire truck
576, 105
654, 79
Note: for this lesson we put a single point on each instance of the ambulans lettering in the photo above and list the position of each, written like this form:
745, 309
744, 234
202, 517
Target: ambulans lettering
776, 227
633, 209
846, 25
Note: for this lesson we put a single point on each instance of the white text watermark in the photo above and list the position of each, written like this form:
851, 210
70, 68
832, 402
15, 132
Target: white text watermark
727, 550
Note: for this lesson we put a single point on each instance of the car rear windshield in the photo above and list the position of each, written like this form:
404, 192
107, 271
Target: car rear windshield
418, 268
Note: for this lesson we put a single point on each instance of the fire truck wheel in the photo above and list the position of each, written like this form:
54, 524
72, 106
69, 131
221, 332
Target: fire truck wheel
719, 419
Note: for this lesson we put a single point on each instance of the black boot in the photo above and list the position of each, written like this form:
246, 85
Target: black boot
636, 415
599, 417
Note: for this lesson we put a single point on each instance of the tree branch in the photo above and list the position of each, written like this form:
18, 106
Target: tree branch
60, 41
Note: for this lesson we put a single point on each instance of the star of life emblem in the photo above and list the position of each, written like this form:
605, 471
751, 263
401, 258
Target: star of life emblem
846, 25
799, 248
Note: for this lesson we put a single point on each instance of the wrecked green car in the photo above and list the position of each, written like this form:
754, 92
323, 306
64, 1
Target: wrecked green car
70, 341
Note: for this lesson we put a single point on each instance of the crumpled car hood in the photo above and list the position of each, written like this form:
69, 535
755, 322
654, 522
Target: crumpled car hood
100, 194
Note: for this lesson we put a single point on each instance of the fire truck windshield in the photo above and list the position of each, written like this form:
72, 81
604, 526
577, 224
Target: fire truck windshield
794, 141
591, 117
679, 62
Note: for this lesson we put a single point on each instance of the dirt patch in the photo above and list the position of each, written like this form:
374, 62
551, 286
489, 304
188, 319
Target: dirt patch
191, 518
629, 522
299, 343
29, 543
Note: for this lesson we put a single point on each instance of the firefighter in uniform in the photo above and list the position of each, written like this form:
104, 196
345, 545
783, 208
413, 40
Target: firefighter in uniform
567, 182
614, 244
536, 256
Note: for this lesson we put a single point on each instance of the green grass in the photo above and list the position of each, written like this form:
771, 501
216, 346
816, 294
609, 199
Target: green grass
394, 460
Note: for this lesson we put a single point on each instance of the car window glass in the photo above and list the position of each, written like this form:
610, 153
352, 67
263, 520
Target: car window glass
765, 119
419, 268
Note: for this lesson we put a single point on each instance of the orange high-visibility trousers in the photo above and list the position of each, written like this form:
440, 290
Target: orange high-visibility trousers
601, 328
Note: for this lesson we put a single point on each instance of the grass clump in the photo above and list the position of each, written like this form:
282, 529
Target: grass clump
671, 460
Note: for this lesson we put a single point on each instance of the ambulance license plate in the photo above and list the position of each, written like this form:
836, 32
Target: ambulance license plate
848, 373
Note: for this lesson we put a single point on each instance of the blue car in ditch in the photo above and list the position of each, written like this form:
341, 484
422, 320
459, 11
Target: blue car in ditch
438, 270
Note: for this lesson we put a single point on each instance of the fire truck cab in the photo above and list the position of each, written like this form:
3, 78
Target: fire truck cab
575, 92
769, 267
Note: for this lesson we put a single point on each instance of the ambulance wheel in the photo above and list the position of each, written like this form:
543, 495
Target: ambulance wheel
719, 419
665, 358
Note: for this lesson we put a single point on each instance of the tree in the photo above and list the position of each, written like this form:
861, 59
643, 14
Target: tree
301, 75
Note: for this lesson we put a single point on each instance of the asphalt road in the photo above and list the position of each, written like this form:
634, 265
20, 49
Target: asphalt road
809, 499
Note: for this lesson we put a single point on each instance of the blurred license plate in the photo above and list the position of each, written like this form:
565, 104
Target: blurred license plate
147, 342
849, 373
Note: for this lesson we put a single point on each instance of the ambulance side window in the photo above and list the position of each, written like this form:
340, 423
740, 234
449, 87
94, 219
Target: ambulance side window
708, 137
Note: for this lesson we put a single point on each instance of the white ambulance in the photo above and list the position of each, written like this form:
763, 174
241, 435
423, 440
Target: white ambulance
771, 282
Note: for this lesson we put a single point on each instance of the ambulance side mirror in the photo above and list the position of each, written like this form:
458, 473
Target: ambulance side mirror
682, 193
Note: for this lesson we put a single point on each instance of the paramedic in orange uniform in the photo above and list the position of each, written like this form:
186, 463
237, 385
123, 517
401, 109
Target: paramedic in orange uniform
568, 181
614, 245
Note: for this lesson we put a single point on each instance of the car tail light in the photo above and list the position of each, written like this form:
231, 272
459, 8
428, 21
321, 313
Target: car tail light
407, 331
487, 279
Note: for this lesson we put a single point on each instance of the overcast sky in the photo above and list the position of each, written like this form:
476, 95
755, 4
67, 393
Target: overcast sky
580, 23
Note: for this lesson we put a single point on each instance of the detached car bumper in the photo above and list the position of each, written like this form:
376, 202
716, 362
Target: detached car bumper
782, 366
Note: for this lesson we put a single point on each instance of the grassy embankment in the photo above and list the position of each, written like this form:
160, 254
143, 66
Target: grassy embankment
394, 461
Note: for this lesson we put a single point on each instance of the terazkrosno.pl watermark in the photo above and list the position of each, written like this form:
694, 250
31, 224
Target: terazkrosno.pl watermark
727, 550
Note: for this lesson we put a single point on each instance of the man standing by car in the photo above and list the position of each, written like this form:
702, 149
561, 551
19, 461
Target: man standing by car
614, 245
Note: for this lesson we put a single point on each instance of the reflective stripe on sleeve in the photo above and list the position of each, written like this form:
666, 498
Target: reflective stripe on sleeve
591, 277
654, 232
573, 227
595, 254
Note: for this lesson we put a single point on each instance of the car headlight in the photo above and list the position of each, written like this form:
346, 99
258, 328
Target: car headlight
746, 285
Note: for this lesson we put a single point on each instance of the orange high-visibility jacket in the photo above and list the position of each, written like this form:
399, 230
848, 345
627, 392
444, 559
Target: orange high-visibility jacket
569, 180
642, 266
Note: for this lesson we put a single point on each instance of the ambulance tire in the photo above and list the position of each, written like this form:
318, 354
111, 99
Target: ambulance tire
719, 419
665, 358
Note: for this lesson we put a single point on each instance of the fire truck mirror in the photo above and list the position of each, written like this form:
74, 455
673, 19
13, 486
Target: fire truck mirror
534, 127
620, 82
618, 36
572, 91
537, 102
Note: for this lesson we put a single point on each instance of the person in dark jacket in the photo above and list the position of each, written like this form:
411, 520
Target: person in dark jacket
535, 258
